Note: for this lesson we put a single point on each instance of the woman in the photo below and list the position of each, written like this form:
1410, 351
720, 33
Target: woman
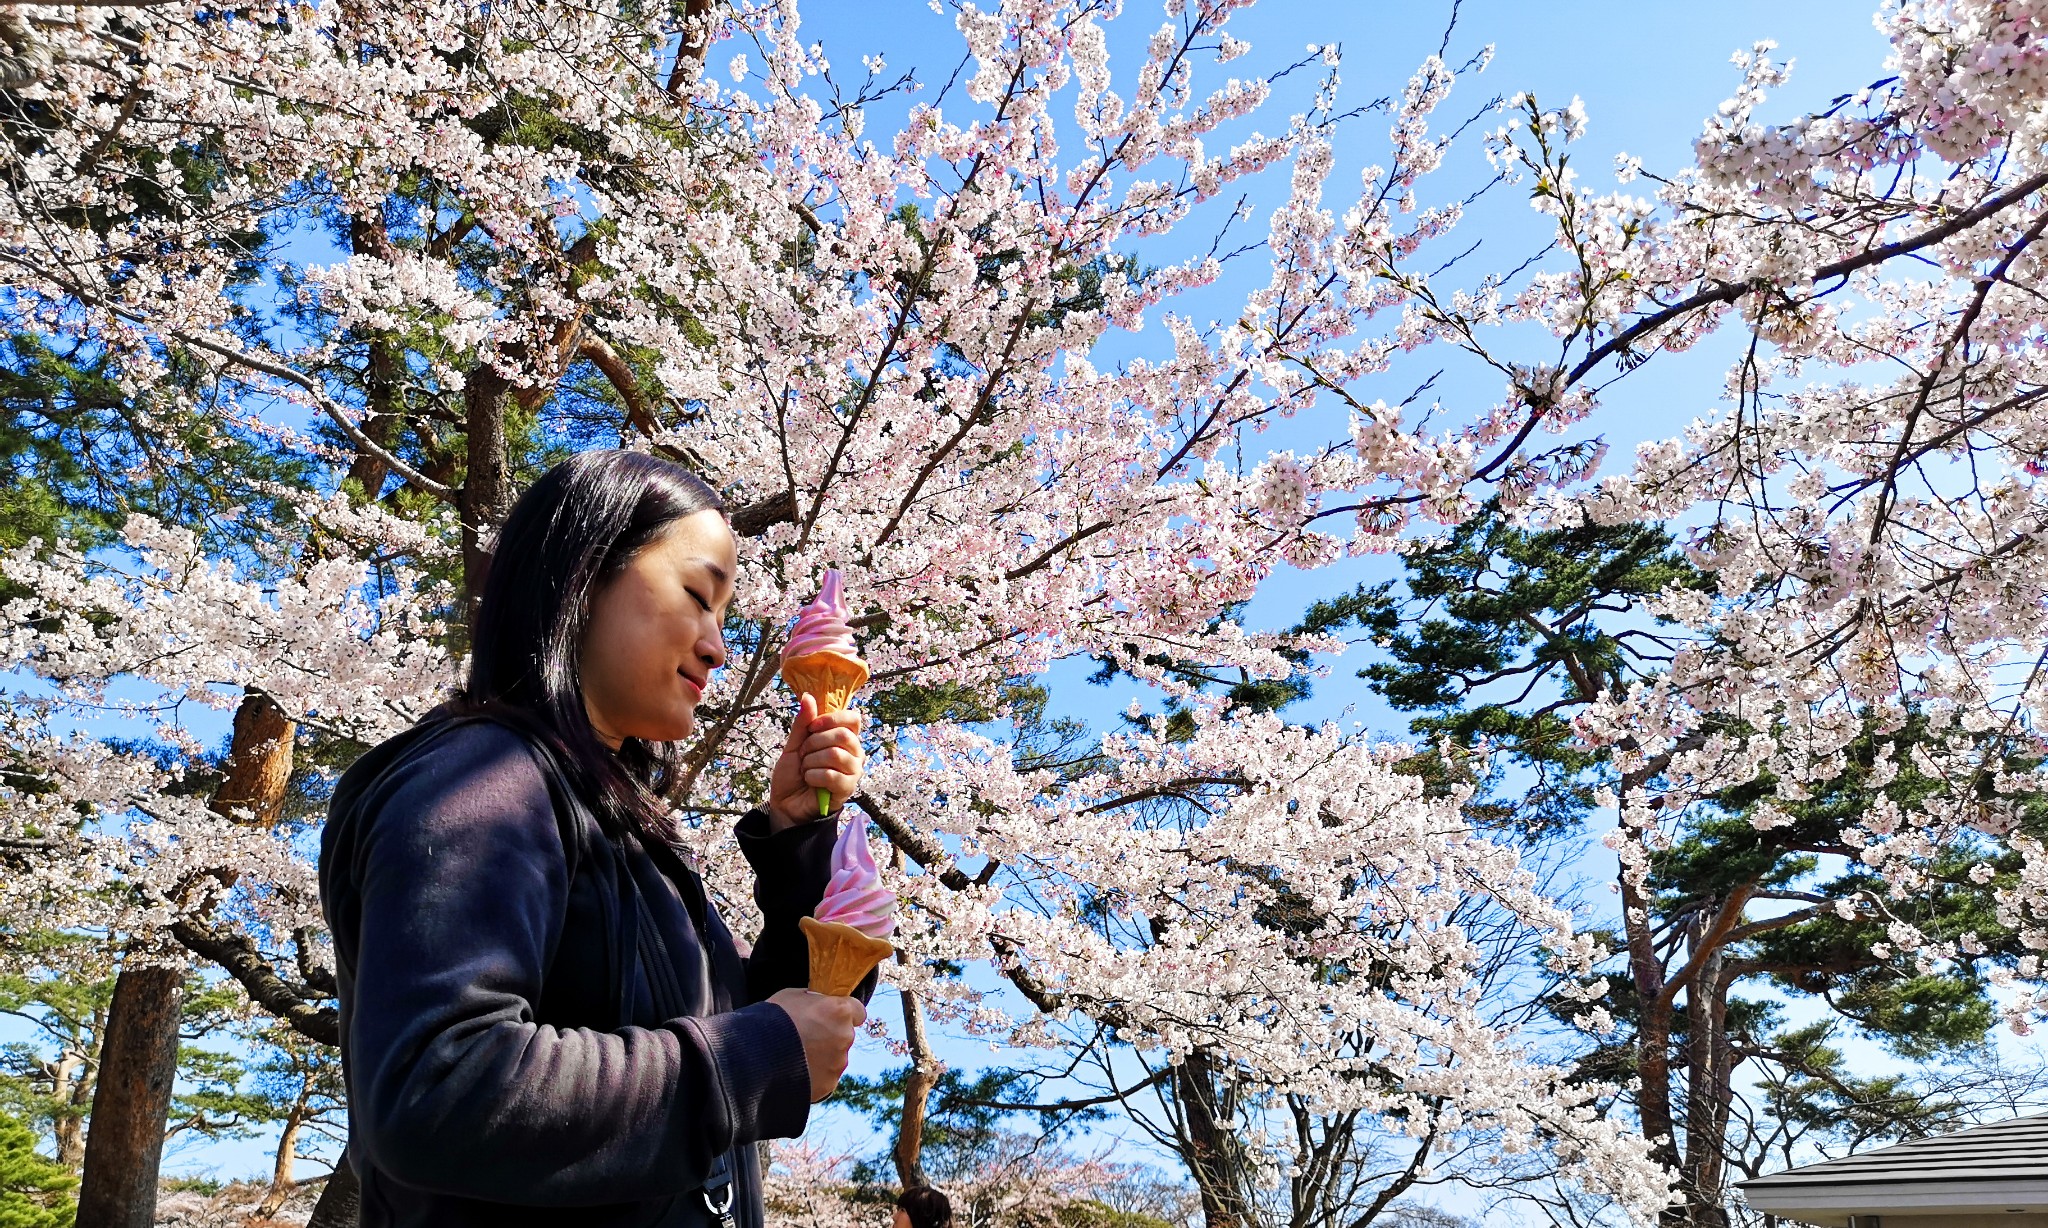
540, 1009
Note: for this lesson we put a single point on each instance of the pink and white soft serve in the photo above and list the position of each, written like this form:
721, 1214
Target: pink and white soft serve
856, 896
821, 625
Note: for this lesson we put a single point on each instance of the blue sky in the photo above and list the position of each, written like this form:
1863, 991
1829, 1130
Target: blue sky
1648, 72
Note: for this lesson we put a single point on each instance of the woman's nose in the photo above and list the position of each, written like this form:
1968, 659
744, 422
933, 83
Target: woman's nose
712, 651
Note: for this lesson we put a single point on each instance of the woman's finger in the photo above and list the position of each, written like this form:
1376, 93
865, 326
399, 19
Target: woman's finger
842, 761
843, 721
831, 739
840, 784
834, 759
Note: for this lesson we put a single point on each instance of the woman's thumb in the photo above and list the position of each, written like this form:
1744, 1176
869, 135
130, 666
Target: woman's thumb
806, 712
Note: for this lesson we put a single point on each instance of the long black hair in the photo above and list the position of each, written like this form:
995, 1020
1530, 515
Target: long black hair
565, 538
926, 1207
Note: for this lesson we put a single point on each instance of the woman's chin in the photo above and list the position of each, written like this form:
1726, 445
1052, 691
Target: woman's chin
673, 727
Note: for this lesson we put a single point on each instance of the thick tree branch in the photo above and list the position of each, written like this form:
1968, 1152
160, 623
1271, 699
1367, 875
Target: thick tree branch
238, 956
599, 353
1732, 291
689, 65
1725, 921
927, 852
754, 519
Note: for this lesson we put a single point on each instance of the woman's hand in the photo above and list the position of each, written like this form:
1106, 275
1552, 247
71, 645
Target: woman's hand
827, 1025
822, 752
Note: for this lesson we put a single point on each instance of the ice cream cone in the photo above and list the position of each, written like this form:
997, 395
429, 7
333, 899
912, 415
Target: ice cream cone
820, 659
826, 676
841, 956
830, 679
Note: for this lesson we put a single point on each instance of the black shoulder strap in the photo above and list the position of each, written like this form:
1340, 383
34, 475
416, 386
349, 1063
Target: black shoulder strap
574, 818
585, 841
580, 831
697, 901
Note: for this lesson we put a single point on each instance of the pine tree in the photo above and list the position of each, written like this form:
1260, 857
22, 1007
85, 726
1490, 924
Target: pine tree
1493, 638
35, 1192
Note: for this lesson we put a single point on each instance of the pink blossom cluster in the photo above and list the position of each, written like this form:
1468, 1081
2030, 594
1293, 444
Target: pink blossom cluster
105, 649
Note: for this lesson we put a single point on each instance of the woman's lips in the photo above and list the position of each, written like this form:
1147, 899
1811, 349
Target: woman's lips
694, 685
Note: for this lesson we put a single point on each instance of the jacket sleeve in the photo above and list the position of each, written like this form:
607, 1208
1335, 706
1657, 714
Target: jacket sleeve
791, 870
464, 883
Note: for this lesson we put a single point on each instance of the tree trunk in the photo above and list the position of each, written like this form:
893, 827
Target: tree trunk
138, 1065
1653, 1040
689, 65
259, 763
384, 399
287, 1152
486, 486
139, 1048
1207, 1147
340, 1204
925, 1069
1707, 1095
70, 1128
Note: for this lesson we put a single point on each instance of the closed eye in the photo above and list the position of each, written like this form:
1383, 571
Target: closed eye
705, 605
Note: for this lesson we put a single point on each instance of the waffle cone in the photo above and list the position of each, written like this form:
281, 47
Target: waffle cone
826, 676
841, 956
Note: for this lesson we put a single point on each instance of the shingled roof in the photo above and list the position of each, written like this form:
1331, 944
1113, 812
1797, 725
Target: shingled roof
1999, 1170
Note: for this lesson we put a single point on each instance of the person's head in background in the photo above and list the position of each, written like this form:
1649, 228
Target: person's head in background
922, 1207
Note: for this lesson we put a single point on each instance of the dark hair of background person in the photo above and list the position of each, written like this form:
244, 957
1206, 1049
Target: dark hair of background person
926, 1207
567, 536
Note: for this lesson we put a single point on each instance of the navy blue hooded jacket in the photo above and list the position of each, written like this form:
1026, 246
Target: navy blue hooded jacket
536, 1016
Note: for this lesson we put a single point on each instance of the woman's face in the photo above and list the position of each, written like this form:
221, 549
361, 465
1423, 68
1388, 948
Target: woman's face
656, 632
901, 1219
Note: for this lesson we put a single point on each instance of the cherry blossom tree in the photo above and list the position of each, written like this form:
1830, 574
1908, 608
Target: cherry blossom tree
1864, 501
555, 228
